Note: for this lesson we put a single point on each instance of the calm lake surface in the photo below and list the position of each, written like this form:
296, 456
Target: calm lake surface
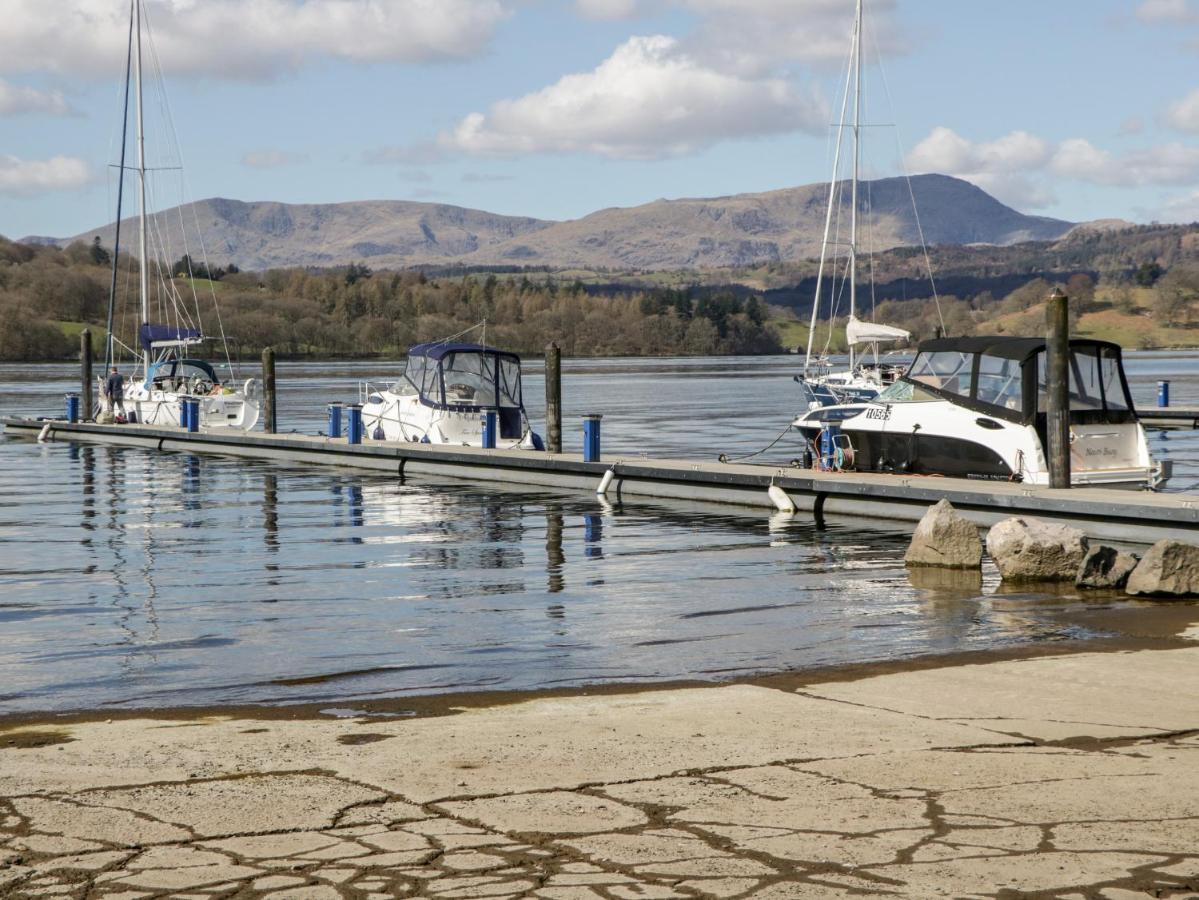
135, 579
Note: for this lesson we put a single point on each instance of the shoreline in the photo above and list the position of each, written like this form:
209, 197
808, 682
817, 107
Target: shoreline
1068, 775
1147, 625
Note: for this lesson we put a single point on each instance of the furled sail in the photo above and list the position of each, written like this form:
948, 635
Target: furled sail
859, 332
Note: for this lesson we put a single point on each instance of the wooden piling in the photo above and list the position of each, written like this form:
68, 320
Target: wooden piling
1057, 388
270, 422
86, 389
553, 398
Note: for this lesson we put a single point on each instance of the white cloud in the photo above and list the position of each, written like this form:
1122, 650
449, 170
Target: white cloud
1165, 11
947, 152
1172, 163
606, 9
272, 159
37, 176
17, 99
243, 38
1184, 115
650, 99
1016, 167
755, 36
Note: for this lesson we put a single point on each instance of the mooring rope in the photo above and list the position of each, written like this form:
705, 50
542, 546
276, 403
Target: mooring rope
724, 457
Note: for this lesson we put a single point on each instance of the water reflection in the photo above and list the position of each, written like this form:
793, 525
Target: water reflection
138, 578
555, 559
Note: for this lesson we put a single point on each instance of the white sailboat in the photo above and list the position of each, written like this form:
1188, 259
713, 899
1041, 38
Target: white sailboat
164, 374
820, 382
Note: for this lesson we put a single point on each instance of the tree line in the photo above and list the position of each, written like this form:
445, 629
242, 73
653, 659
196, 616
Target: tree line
47, 293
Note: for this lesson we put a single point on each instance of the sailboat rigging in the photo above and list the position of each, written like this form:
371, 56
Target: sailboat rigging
861, 380
164, 377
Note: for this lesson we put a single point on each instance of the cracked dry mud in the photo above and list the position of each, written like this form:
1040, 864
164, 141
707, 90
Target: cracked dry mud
1072, 777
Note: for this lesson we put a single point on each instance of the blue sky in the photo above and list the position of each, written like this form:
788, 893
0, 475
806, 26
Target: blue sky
1079, 109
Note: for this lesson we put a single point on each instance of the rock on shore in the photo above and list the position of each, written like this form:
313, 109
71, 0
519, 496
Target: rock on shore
1169, 569
943, 538
1027, 549
1105, 567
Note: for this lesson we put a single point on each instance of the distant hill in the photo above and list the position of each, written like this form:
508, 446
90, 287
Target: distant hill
741, 230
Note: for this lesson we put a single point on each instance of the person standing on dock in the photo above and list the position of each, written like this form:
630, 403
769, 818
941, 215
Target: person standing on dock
114, 390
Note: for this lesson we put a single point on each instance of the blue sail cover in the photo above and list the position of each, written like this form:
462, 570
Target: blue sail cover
154, 334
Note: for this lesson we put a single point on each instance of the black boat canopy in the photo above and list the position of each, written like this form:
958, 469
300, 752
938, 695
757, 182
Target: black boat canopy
1005, 377
1020, 349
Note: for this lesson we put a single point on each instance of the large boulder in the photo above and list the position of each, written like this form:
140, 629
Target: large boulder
1105, 567
945, 539
1169, 569
1027, 549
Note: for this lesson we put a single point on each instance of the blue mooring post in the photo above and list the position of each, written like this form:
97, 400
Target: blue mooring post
193, 415
334, 420
489, 430
72, 407
354, 423
1163, 393
591, 437
184, 414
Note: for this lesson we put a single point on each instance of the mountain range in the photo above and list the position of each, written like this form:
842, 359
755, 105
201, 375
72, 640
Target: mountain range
740, 230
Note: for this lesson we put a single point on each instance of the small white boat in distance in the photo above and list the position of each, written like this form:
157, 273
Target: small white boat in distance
443, 395
975, 407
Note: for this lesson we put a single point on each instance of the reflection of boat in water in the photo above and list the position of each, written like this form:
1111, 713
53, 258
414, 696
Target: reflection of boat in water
443, 395
976, 408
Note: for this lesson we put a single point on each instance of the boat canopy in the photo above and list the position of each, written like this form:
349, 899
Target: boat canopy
171, 374
155, 336
859, 332
464, 377
1006, 377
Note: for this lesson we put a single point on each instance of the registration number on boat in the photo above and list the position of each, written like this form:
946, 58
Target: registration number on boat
878, 412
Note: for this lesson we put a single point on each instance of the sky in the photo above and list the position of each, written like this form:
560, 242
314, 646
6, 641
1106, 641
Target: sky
1078, 109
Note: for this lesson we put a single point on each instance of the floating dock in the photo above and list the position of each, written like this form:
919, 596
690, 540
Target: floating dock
1169, 418
1138, 517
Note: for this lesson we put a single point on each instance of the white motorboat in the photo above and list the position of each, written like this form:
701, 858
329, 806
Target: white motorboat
164, 375
976, 408
444, 394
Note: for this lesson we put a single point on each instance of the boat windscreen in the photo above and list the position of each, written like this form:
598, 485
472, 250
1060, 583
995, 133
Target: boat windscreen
906, 392
469, 379
946, 370
1000, 382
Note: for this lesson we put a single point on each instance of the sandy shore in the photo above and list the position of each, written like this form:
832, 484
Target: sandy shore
1069, 776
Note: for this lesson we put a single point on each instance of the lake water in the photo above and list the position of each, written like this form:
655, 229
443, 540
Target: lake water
136, 579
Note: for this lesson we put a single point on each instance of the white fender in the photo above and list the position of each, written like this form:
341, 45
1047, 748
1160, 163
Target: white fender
782, 502
44, 434
605, 482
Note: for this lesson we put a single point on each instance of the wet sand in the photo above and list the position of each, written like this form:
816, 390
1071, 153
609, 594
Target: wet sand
1066, 770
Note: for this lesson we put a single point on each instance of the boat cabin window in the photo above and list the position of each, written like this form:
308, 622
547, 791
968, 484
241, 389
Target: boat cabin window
509, 382
948, 370
1096, 380
1000, 382
469, 379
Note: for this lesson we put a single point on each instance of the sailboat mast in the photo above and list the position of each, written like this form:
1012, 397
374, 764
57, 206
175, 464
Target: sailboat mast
857, 158
143, 266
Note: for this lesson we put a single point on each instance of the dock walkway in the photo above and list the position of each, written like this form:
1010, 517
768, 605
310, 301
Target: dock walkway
1129, 516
